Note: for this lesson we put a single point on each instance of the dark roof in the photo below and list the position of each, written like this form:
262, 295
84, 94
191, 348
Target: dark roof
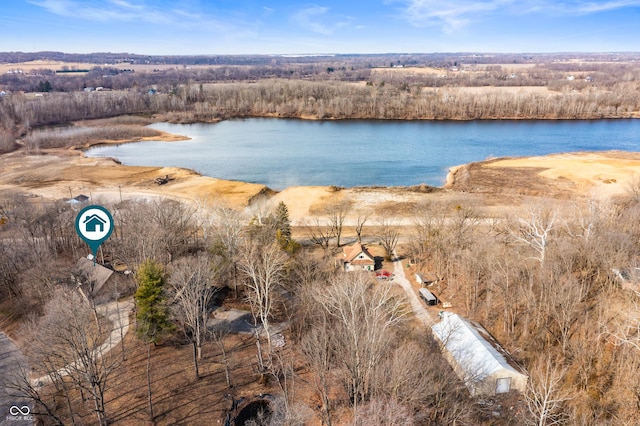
97, 274
78, 200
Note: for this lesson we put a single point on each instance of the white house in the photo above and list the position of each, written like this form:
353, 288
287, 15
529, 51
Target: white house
477, 358
356, 258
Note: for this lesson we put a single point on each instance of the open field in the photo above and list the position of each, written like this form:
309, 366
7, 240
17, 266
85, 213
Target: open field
34, 66
28, 67
602, 174
408, 70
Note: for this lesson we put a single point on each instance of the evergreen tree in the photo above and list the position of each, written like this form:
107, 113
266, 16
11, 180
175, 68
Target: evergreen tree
282, 225
282, 222
152, 313
44, 86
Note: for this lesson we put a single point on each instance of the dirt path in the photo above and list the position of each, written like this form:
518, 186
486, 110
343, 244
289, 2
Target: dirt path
118, 314
418, 308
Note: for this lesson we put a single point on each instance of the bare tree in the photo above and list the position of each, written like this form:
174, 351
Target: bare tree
228, 230
219, 334
429, 235
138, 238
388, 235
364, 318
384, 412
42, 397
175, 223
461, 225
535, 231
363, 216
12, 257
319, 233
567, 294
264, 268
337, 213
416, 376
544, 395
627, 329
286, 414
587, 221
192, 283
260, 208
318, 348
67, 342
633, 187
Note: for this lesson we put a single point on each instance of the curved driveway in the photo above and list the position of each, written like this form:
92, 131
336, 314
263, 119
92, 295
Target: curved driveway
118, 314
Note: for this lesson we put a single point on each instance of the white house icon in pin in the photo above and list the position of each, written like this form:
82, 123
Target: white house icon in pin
94, 221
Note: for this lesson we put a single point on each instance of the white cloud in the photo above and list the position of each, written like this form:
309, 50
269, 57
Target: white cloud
137, 11
573, 7
125, 11
307, 19
451, 15
311, 17
455, 14
595, 7
109, 10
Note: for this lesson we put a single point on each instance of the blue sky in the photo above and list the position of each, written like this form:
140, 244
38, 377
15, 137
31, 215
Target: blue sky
178, 27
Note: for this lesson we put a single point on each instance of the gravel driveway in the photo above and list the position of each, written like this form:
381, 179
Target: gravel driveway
416, 304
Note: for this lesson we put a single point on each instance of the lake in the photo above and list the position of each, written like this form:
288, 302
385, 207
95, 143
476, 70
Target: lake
287, 152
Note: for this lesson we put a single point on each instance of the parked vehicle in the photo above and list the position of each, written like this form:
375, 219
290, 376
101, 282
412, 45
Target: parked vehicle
429, 298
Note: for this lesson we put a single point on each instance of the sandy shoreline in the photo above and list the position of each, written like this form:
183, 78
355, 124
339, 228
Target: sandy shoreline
61, 174
490, 185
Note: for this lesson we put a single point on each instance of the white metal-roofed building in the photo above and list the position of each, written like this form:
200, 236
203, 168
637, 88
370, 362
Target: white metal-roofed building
477, 358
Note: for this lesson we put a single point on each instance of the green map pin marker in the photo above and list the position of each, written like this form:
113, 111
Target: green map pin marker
94, 225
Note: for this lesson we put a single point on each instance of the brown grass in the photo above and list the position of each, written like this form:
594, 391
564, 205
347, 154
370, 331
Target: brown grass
30, 66
60, 174
27, 67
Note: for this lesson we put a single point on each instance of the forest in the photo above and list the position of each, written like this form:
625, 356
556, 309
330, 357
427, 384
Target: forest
554, 281
543, 283
463, 87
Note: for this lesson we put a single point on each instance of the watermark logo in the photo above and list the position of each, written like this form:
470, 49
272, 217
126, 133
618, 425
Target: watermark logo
19, 413
94, 224
23, 411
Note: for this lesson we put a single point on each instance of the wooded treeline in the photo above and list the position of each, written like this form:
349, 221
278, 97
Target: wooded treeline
316, 100
362, 60
326, 88
548, 283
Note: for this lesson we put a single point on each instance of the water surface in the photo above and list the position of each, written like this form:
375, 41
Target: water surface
286, 152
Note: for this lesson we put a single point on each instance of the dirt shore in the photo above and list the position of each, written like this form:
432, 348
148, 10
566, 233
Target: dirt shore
62, 175
582, 174
489, 186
